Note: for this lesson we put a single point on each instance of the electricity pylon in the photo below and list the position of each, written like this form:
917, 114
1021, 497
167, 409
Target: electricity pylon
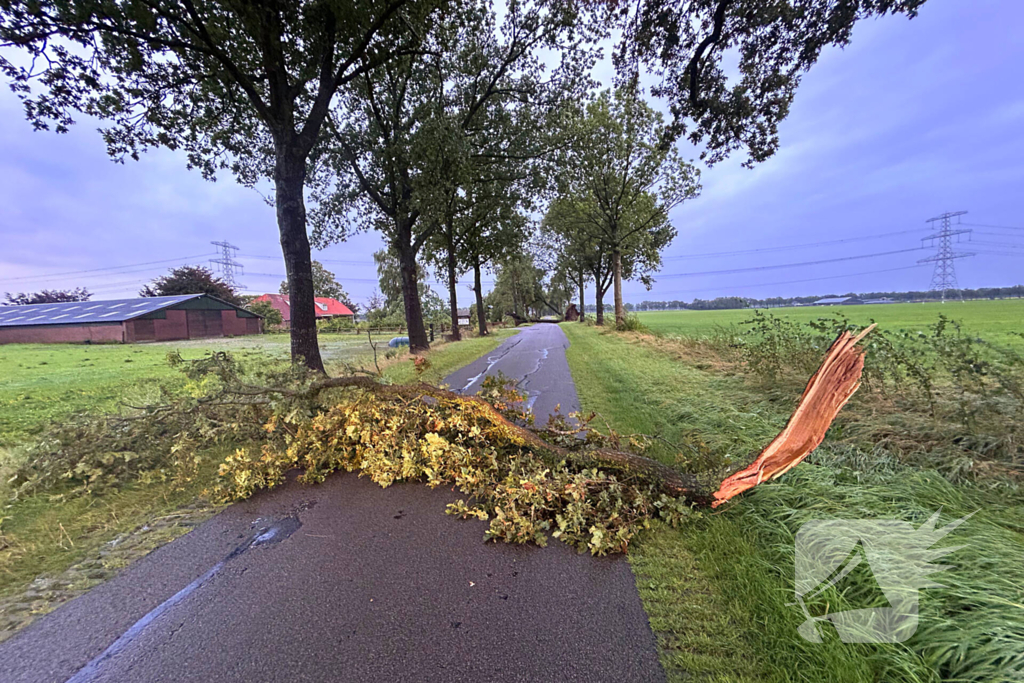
944, 275
227, 263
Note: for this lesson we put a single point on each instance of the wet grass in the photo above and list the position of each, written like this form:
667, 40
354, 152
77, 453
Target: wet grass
729, 575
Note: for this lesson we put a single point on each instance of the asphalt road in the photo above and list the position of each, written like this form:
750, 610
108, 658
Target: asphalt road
346, 581
536, 358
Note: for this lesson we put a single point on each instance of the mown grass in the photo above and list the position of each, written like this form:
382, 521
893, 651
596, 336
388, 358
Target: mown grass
42, 383
996, 321
732, 571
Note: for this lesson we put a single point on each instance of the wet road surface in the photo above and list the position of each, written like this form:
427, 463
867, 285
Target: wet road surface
346, 581
536, 358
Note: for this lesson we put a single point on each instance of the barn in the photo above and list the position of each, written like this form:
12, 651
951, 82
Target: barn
158, 318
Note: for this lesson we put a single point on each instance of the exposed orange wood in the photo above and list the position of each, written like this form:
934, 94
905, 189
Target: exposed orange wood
827, 392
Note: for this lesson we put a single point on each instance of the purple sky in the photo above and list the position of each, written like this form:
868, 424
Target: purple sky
912, 119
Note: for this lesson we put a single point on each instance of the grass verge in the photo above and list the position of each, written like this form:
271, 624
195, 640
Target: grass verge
727, 578
446, 358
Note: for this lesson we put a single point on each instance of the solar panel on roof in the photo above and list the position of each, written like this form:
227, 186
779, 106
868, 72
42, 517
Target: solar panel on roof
117, 310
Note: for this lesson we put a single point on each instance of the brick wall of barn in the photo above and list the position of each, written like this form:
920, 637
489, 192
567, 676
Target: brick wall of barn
191, 324
234, 326
177, 325
48, 334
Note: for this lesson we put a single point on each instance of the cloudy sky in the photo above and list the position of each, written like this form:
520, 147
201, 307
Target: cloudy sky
913, 119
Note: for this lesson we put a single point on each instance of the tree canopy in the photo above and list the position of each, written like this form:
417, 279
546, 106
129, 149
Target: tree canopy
191, 280
685, 44
244, 87
47, 296
423, 127
620, 186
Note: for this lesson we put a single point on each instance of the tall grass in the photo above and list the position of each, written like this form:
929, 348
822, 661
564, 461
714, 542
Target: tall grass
737, 564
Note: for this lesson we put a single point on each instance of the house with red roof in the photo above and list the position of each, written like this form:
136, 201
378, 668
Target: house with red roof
325, 308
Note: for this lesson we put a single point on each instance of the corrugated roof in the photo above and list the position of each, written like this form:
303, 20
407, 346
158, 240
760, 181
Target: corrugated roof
833, 300
80, 312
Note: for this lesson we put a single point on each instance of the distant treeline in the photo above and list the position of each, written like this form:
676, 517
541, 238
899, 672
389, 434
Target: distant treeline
724, 302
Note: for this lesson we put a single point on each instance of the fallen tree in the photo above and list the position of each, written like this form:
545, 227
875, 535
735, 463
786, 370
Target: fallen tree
592, 490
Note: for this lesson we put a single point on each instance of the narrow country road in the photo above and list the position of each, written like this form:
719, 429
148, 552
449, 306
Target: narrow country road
535, 357
346, 581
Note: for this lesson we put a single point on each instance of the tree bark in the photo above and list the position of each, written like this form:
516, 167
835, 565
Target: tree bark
583, 289
599, 295
289, 181
620, 313
453, 298
410, 289
481, 314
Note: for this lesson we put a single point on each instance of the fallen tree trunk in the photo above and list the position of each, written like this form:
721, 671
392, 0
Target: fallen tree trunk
826, 393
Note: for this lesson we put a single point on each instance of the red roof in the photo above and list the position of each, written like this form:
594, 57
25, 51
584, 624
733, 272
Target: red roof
325, 308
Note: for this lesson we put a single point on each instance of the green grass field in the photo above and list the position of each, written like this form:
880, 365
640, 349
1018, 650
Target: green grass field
993, 321
46, 382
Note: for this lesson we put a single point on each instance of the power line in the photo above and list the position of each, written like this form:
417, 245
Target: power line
999, 234
333, 261
51, 276
792, 246
789, 282
1010, 245
780, 266
998, 227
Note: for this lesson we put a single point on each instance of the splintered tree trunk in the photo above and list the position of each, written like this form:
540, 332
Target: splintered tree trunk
453, 298
410, 291
481, 314
289, 180
826, 393
620, 311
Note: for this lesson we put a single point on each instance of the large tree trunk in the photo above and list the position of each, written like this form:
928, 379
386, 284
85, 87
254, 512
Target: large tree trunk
599, 295
410, 290
453, 298
583, 291
289, 181
481, 314
620, 311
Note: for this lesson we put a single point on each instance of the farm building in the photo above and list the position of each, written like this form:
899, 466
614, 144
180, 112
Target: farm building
325, 308
839, 301
158, 318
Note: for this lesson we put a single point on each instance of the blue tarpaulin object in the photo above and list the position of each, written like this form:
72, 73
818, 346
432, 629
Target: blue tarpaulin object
398, 341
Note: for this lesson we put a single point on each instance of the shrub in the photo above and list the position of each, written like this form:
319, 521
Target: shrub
959, 399
271, 316
631, 323
337, 324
